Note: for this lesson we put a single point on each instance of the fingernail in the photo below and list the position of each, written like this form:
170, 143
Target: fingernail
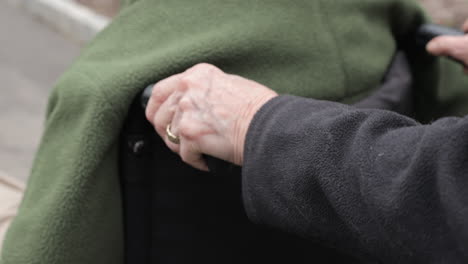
432, 45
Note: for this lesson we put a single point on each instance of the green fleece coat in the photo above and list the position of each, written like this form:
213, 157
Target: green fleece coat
326, 49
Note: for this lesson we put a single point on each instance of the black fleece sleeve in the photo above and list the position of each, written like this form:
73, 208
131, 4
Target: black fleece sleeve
370, 182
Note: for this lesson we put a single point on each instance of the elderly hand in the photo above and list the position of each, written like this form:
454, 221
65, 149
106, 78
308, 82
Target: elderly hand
208, 111
453, 46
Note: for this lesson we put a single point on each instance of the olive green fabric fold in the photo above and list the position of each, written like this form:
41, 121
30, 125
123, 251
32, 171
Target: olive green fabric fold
325, 49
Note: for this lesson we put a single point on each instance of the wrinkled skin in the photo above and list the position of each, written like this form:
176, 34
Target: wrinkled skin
210, 111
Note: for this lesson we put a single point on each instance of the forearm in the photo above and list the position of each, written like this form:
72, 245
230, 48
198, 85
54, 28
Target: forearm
368, 181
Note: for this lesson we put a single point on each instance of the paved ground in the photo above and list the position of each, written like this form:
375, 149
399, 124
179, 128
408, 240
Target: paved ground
448, 12
31, 58
105, 7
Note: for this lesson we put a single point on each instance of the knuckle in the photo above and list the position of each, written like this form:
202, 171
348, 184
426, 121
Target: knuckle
185, 130
204, 68
198, 75
184, 104
158, 97
187, 81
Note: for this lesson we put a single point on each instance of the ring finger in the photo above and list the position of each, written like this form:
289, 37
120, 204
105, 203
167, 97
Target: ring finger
164, 116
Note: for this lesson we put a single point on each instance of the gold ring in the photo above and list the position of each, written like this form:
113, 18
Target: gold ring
172, 138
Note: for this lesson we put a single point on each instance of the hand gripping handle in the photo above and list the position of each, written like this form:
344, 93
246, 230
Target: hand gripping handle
215, 165
427, 32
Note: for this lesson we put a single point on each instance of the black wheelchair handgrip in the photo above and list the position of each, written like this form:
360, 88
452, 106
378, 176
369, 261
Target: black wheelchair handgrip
427, 32
145, 95
215, 165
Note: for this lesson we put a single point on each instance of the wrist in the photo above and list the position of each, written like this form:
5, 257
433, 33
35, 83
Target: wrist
243, 123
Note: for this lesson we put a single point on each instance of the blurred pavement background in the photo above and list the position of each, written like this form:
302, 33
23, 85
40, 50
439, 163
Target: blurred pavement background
448, 12
32, 57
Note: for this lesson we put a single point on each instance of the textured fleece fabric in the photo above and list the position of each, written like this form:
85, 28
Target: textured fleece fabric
372, 182
326, 49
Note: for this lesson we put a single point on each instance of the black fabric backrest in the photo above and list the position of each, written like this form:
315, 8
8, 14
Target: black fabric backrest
176, 214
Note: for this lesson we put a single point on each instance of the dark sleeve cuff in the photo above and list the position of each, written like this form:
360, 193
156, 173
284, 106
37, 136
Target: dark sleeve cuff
259, 135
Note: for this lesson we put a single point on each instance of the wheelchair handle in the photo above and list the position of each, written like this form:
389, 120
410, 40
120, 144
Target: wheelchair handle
145, 96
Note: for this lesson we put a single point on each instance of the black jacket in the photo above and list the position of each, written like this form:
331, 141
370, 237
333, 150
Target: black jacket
373, 183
